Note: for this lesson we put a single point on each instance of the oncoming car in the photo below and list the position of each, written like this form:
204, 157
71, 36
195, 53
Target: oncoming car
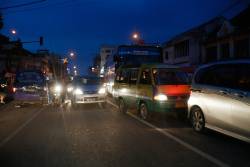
152, 88
87, 89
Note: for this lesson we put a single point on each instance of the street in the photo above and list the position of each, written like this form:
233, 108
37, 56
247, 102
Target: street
91, 135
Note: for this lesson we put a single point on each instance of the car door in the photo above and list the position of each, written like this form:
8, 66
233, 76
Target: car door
132, 86
144, 87
124, 86
215, 96
240, 113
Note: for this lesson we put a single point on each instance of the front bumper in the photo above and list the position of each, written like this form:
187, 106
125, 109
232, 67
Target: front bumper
87, 99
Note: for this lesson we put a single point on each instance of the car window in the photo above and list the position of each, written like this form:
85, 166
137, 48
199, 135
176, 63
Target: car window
133, 76
145, 77
243, 77
218, 75
124, 76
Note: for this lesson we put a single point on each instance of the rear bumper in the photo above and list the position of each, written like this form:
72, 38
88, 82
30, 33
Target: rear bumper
30, 98
164, 107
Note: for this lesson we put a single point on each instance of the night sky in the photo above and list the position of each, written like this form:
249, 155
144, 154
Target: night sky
83, 25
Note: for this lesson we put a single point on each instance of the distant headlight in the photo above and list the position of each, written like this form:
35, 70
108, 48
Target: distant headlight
161, 97
69, 89
102, 91
78, 91
58, 88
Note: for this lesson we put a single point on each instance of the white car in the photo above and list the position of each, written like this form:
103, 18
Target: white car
88, 89
220, 98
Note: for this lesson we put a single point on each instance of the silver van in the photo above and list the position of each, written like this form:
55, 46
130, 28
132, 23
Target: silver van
220, 98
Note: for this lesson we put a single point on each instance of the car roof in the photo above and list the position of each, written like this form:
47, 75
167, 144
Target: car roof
239, 61
149, 65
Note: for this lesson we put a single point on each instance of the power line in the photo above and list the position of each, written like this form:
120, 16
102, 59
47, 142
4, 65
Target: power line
22, 5
62, 3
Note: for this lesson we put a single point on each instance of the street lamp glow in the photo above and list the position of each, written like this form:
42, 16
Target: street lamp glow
135, 36
72, 54
13, 32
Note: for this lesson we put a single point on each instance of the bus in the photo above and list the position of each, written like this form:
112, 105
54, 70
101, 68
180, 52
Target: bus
130, 55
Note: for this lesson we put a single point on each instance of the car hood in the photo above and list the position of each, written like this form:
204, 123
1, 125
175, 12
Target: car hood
89, 88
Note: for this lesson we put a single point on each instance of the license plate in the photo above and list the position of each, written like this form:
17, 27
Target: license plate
180, 104
91, 99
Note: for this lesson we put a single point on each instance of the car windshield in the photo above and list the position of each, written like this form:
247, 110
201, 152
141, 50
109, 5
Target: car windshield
30, 77
88, 81
164, 76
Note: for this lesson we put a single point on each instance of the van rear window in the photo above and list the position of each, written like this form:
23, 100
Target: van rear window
166, 76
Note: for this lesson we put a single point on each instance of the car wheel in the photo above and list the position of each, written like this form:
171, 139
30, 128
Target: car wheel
144, 113
197, 120
122, 106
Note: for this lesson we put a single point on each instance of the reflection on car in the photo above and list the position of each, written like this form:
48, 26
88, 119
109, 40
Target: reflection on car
87, 89
30, 87
220, 98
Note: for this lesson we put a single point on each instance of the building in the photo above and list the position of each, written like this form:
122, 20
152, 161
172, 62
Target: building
105, 52
185, 49
215, 40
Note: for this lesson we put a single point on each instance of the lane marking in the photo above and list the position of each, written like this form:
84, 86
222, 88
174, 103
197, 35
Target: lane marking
178, 140
14, 133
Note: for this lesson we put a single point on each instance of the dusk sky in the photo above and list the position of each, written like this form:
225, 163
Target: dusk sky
83, 25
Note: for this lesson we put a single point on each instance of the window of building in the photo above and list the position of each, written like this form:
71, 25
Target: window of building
107, 51
241, 48
211, 54
166, 55
145, 77
224, 51
182, 49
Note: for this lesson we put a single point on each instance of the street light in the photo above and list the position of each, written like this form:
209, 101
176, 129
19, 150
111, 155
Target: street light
13, 32
72, 54
135, 36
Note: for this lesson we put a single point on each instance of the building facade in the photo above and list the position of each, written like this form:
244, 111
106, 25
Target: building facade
216, 40
105, 52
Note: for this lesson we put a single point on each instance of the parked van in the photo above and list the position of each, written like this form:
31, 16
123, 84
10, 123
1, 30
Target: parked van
151, 88
220, 98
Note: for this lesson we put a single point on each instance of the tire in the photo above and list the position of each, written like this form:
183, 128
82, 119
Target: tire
122, 106
197, 120
143, 111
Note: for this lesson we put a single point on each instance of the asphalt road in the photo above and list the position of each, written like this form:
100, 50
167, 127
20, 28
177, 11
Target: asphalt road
91, 135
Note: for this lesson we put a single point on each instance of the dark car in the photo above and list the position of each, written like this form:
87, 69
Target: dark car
30, 87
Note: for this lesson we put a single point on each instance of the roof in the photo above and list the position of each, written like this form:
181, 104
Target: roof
201, 30
242, 19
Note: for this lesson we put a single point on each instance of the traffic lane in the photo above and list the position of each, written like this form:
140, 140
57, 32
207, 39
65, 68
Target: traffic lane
227, 149
92, 136
12, 117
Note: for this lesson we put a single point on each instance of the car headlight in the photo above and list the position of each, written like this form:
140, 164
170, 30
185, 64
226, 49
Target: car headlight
78, 91
161, 97
69, 89
102, 91
58, 88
